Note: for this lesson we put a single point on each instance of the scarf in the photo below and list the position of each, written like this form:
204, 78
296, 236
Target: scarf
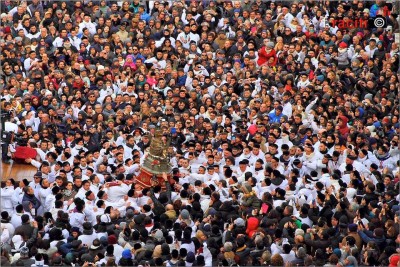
241, 249
249, 194
382, 157
308, 157
67, 192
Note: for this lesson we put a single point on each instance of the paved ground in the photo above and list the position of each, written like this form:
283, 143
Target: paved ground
17, 171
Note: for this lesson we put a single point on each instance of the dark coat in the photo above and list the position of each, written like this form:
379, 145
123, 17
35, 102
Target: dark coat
243, 254
25, 230
35, 202
315, 244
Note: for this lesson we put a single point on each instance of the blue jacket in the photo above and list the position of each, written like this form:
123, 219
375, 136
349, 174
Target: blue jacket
373, 10
145, 17
35, 202
368, 236
182, 80
275, 118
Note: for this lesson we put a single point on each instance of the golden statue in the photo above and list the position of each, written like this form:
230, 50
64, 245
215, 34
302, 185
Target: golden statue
157, 161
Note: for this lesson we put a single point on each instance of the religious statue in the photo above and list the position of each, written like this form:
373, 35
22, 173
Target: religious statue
156, 162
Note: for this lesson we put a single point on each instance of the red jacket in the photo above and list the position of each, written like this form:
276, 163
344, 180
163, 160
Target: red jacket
344, 130
263, 56
252, 225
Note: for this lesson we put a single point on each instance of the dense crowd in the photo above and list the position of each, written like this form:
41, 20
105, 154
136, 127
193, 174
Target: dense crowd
281, 121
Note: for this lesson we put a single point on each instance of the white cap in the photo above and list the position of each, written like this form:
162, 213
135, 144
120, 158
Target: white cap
371, 128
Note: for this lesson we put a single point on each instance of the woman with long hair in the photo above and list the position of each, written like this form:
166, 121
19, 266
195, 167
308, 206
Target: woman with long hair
145, 109
140, 81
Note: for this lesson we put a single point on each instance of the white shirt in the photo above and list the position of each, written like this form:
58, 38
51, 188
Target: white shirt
158, 64
326, 180
75, 41
194, 37
89, 25
288, 19
184, 39
28, 63
43, 194
370, 51
161, 41
10, 229
88, 239
357, 166
77, 219
31, 36
116, 193
81, 194
16, 219
49, 202
118, 252
7, 194
189, 247
301, 83
18, 195
58, 42
287, 110
289, 257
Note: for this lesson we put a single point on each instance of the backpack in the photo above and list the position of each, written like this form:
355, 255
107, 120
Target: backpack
172, 264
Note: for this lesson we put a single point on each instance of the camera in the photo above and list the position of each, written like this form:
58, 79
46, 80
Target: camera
380, 133
20, 140
6, 115
6, 137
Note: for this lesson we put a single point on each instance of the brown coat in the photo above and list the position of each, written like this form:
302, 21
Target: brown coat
220, 42
356, 237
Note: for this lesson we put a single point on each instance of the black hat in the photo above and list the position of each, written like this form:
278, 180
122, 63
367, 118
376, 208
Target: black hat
5, 217
76, 243
351, 157
244, 161
374, 166
25, 218
352, 227
296, 161
390, 193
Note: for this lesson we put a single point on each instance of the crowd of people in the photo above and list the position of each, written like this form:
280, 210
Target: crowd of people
281, 120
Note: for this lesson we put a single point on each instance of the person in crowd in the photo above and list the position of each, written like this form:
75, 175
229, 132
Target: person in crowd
279, 119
